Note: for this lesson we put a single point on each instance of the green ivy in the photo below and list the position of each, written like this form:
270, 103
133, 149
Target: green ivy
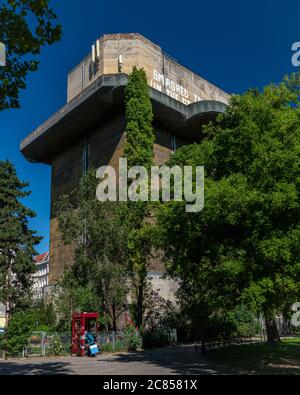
139, 116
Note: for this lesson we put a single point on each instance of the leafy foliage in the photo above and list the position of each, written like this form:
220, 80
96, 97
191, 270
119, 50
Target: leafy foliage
45, 317
17, 240
97, 279
155, 338
69, 298
56, 347
37, 318
139, 152
132, 338
20, 327
244, 321
244, 246
139, 116
25, 27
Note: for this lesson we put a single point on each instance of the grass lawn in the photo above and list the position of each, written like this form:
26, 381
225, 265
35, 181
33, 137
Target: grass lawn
283, 358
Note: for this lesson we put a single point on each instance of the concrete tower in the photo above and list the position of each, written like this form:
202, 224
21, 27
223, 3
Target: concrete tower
89, 129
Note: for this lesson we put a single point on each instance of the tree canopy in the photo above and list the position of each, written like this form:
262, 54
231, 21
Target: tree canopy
138, 150
245, 245
17, 240
111, 239
25, 27
97, 278
139, 116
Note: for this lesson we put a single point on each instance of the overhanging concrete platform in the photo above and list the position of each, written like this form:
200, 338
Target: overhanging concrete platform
100, 101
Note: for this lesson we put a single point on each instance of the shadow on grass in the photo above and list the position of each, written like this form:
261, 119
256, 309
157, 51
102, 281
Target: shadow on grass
268, 359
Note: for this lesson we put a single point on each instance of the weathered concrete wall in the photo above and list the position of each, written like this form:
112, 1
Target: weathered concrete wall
67, 169
164, 73
165, 287
104, 143
102, 146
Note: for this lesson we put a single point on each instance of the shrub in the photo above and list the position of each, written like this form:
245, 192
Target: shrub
20, 327
1, 341
56, 347
245, 322
132, 338
156, 338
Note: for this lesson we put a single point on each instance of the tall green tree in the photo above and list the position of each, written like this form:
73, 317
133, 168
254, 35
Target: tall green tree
98, 276
17, 240
246, 241
139, 117
25, 27
111, 239
139, 152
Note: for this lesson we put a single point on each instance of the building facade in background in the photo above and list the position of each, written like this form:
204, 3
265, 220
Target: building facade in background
2, 317
41, 276
89, 131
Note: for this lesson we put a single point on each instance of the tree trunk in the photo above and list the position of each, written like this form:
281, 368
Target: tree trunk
272, 331
114, 318
140, 300
7, 306
7, 303
203, 347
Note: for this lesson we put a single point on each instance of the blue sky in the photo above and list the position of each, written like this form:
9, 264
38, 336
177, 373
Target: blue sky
235, 44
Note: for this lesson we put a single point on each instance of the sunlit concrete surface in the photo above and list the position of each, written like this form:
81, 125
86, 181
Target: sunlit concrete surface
169, 361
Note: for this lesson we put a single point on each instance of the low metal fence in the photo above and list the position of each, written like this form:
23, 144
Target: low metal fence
211, 344
43, 344
46, 344
112, 341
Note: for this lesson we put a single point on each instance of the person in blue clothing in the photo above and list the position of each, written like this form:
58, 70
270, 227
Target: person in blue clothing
91, 340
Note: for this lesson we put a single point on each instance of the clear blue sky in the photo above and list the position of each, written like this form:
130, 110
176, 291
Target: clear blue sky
235, 44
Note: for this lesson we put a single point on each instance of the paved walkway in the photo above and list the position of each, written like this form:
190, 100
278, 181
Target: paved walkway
168, 361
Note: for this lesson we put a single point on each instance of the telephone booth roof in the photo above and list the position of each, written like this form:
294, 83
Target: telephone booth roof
85, 315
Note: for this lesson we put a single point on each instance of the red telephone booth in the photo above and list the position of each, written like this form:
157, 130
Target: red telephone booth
82, 323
